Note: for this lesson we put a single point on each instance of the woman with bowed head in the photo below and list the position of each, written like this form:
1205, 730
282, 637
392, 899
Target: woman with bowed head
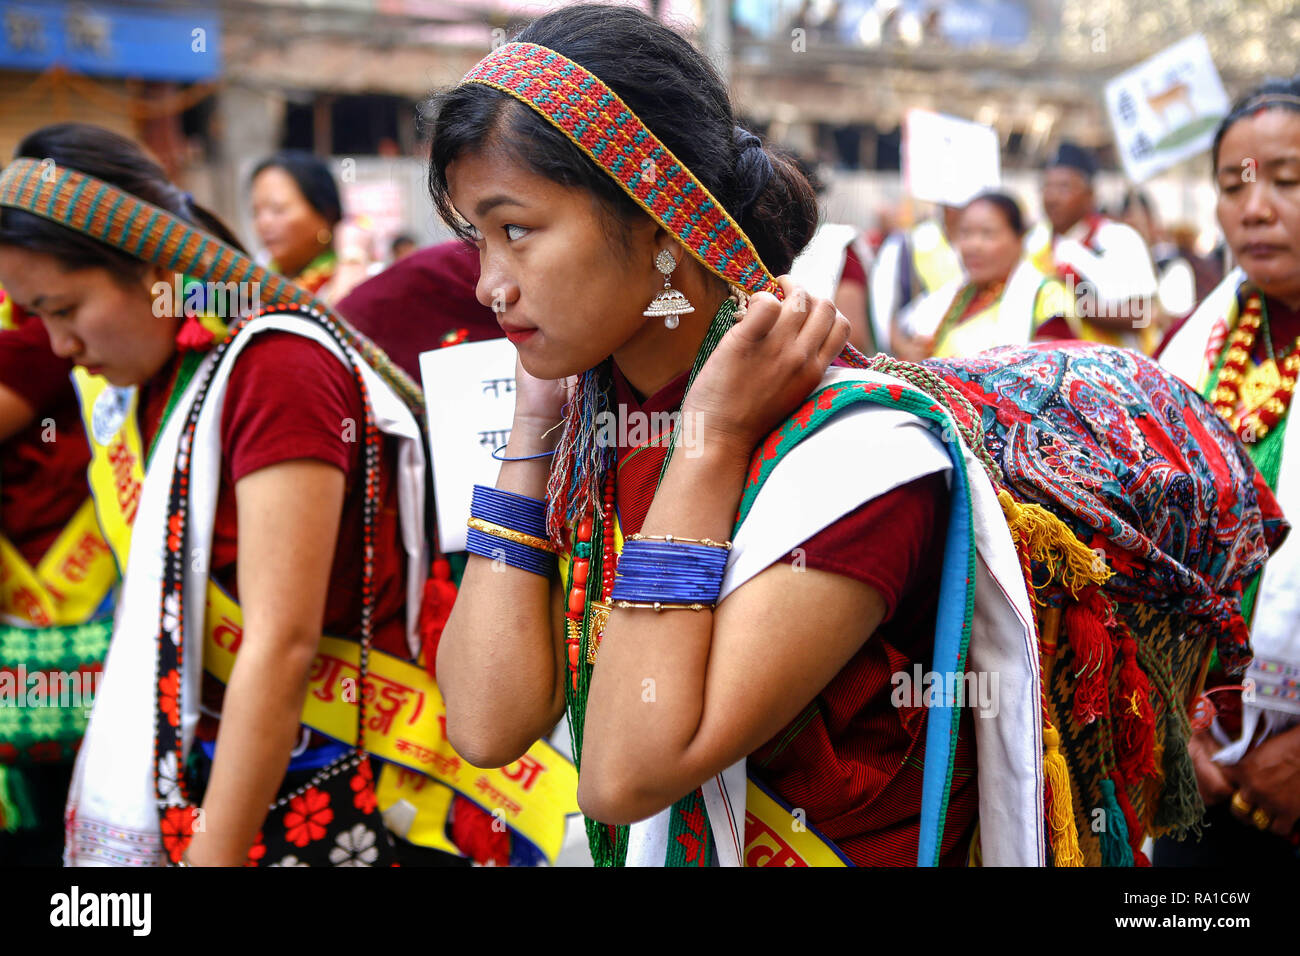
1241, 349
253, 475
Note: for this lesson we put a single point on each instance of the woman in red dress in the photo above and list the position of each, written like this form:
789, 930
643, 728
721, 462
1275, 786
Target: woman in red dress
286, 540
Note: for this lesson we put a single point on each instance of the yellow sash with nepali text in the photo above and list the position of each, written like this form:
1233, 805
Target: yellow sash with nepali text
405, 720
68, 585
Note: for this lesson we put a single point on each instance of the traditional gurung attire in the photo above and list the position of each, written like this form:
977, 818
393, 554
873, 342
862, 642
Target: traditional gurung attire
965, 320
1223, 352
910, 264
1114, 262
290, 382
57, 580
1021, 430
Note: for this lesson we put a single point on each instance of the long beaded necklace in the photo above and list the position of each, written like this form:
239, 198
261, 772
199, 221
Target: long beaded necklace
578, 590
595, 557
1251, 425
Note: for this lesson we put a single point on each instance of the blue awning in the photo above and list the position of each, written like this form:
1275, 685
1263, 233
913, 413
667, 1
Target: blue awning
104, 40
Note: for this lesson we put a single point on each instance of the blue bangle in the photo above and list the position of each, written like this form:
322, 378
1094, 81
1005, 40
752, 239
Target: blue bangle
651, 571
516, 555
516, 512
497, 455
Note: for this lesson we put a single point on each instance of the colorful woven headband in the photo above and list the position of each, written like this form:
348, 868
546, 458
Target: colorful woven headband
102, 211
600, 124
126, 222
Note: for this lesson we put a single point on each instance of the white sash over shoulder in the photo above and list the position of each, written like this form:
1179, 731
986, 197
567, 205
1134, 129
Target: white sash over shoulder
112, 815
862, 453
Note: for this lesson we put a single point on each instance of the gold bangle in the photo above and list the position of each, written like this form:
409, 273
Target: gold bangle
661, 606
672, 538
509, 534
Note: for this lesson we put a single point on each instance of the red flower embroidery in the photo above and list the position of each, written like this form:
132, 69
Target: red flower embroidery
256, 851
168, 688
177, 831
362, 786
309, 814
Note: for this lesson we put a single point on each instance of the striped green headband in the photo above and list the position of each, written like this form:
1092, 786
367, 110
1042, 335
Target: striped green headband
102, 211
600, 124
117, 218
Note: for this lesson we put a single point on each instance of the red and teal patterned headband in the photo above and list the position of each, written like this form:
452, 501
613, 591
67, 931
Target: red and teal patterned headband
600, 124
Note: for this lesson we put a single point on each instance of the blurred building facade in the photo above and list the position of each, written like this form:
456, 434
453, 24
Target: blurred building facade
213, 87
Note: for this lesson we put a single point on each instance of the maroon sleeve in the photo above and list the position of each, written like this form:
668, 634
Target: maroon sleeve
887, 542
28, 367
289, 398
853, 271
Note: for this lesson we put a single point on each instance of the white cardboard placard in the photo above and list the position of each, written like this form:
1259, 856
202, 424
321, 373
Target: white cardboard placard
948, 160
1166, 108
469, 392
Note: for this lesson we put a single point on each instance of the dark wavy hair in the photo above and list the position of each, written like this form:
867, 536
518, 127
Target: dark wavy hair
672, 88
1007, 206
117, 160
1253, 102
313, 179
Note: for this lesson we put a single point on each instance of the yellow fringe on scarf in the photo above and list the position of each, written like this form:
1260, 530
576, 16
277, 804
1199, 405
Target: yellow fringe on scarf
1052, 544
1060, 815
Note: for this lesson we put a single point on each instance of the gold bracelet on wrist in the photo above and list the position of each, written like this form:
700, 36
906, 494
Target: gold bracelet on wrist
509, 534
662, 606
678, 539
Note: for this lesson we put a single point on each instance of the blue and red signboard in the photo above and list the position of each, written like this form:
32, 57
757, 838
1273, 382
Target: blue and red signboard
148, 41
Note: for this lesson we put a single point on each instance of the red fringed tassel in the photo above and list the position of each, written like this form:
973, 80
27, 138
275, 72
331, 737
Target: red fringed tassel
474, 835
1135, 832
194, 336
1086, 623
1240, 632
1136, 718
435, 607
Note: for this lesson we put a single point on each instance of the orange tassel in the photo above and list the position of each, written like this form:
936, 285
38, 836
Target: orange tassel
435, 607
1086, 623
